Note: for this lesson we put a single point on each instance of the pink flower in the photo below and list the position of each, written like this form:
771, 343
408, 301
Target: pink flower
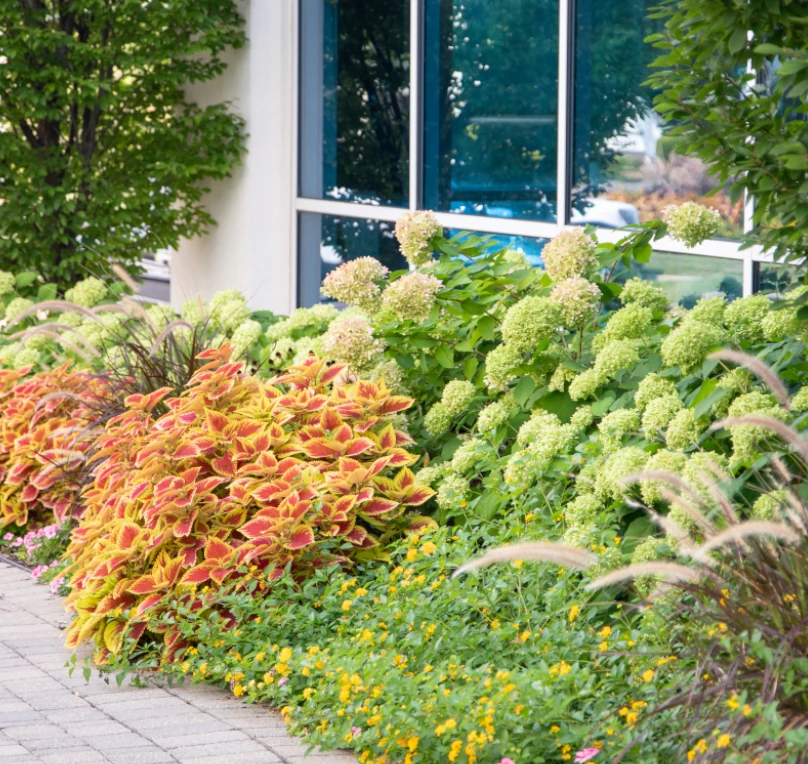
8, 537
358, 731
17, 542
507, 761
56, 583
50, 531
587, 754
283, 681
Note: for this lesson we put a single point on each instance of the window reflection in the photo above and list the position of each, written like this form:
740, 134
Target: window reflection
625, 167
491, 107
354, 100
327, 241
688, 278
776, 278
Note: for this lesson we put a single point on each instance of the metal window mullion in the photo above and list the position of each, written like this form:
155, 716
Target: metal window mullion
416, 102
566, 31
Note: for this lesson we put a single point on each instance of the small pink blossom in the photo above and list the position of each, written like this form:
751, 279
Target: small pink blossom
56, 583
507, 761
587, 754
8, 537
358, 731
283, 681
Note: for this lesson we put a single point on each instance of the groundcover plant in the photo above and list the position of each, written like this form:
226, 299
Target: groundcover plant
257, 523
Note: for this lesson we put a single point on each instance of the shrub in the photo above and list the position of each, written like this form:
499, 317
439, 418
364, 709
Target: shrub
293, 475
48, 426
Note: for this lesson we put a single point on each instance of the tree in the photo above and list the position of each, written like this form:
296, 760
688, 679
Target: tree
733, 79
102, 157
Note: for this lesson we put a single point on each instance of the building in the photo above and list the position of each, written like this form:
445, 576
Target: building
513, 118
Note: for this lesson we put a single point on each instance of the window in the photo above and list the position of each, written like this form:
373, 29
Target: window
515, 118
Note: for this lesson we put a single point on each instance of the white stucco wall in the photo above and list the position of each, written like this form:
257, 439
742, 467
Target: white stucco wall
253, 246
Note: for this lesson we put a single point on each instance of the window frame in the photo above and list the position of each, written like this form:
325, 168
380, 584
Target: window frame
750, 257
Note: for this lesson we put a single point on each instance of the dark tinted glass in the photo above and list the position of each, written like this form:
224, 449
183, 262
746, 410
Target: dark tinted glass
327, 241
491, 107
776, 278
625, 168
354, 100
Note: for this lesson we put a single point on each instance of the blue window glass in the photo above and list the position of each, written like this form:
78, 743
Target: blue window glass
625, 167
326, 241
529, 246
354, 100
491, 107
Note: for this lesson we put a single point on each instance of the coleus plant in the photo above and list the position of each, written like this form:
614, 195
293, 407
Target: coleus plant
48, 425
241, 479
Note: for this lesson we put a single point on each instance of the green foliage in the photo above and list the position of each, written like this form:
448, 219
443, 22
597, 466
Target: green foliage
732, 82
101, 154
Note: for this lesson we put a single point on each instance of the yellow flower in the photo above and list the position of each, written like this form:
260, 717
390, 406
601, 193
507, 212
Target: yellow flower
517, 563
285, 655
732, 703
524, 636
555, 728
238, 690
648, 675
361, 591
346, 605
574, 610
454, 750
529, 516
412, 743
723, 741
747, 709
606, 631
412, 554
428, 548
603, 646
308, 692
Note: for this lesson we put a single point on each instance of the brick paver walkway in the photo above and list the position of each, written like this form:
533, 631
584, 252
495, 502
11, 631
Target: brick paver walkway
47, 716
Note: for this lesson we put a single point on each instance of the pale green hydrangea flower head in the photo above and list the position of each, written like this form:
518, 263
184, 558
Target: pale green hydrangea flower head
583, 509
517, 259
305, 347
578, 299
500, 366
744, 317
457, 396
469, 455
437, 420
738, 380
662, 461
160, 316
691, 223
537, 427
412, 296
581, 536
228, 310
582, 418
280, 330
637, 291
530, 321
428, 476
782, 323
17, 306
244, 337
705, 467
38, 341
748, 439
7, 282
194, 311
649, 550
494, 415
283, 350
559, 378
570, 254
26, 356
392, 375
415, 232
688, 345
615, 357
771, 506
585, 385
356, 282
453, 492
659, 413
630, 322
710, 310
351, 341
615, 425
651, 387
799, 403
619, 465
683, 431
88, 292
70, 319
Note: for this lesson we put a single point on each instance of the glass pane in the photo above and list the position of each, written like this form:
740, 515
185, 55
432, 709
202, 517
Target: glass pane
626, 169
354, 100
530, 247
327, 241
775, 278
688, 278
491, 107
